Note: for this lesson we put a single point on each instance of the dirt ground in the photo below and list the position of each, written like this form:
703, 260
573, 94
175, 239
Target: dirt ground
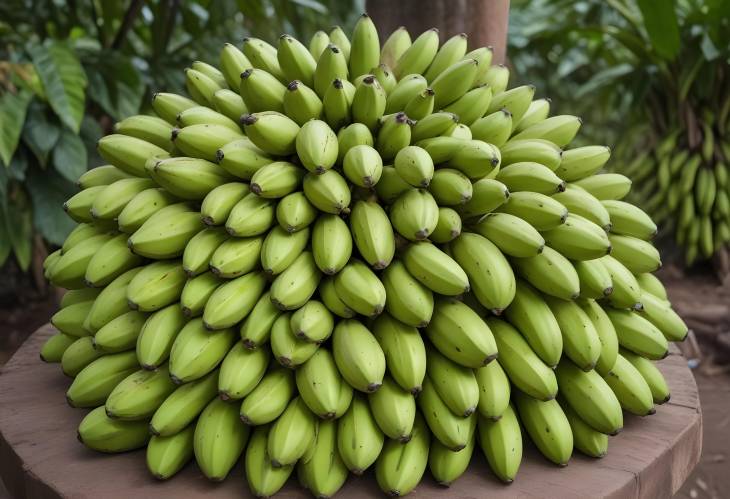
697, 297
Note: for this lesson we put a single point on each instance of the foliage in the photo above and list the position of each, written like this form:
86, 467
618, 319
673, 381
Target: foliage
623, 61
69, 69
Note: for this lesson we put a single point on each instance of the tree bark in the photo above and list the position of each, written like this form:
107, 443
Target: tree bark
484, 21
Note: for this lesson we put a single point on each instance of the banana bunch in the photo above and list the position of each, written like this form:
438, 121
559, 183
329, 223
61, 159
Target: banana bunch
343, 256
685, 186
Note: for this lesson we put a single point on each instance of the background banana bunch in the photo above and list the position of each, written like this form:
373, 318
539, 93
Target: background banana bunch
345, 256
685, 184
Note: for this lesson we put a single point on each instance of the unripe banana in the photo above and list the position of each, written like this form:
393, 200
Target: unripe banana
120, 334
77, 296
95, 382
301, 103
490, 274
138, 396
288, 350
292, 434
579, 239
69, 271
559, 130
231, 302
168, 455
414, 214
76, 356
433, 125
331, 299
167, 106
264, 479
651, 374
606, 186
631, 390
350, 136
528, 176
256, 328
236, 257
418, 56
537, 112
460, 334
204, 139
400, 467
547, 426
166, 233
453, 82
55, 346
262, 55
229, 103
456, 385
272, 132
626, 291
360, 289
281, 248
295, 286
219, 202
582, 162
421, 105
409, 301
404, 352
638, 335
276, 180
99, 432
532, 317
390, 186
241, 371
659, 312
261, 91
493, 128
450, 187
358, 356
363, 166
269, 399
219, 439
337, 102
141, 207
368, 103
488, 195
523, 367
551, 273
476, 159
532, 150
394, 135
501, 442
251, 216
196, 351
200, 249
581, 202
445, 465
635, 254
317, 146
242, 158
189, 178
129, 154
606, 334
385, 76
70, 319
435, 269
373, 234
359, 439
587, 440
157, 336
149, 128
394, 46
448, 227
331, 65
323, 473
156, 285
512, 235
451, 51
590, 397
111, 302
328, 192
595, 281
494, 391
232, 63
80, 233
296, 62
516, 100
201, 115
471, 106
540, 211
453, 431
581, 342
319, 384
463, 132
78, 206
201, 86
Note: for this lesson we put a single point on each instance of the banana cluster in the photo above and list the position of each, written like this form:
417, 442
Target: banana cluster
687, 189
348, 256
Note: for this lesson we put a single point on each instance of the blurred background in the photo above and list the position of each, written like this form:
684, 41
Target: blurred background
651, 79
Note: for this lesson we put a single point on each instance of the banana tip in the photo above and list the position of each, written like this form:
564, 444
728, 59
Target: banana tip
373, 387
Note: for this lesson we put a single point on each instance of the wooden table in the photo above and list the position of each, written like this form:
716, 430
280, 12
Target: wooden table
40, 457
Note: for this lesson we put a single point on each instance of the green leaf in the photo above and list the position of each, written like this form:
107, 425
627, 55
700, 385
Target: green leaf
5, 244
39, 132
12, 108
20, 231
64, 80
660, 21
48, 191
69, 156
603, 78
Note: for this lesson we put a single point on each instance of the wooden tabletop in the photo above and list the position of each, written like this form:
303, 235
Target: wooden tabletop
40, 457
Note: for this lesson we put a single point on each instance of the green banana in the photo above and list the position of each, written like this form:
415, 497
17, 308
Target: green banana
70, 319
313, 322
294, 212
400, 467
580, 202
328, 192
606, 186
637, 255
529, 176
638, 335
456, 385
404, 351
363, 166
360, 289
99, 432
332, 301
372, 233
501, 442
263, 56
394, 135
219, 439
202, 115
76, 356
317, 146
219, 202
232, 301
241, 371
229, 103
167, 105
241, 158
550, 272
651, 374
631, 390
359, 439
251, 216
264, 479
301, 103
156, 285
199, 250
295, 286
70, 269
537, 112
168, 455
129, 154
196, 351
582, 162
236, 257
606, 335
587, 440
111, 302
166, 233
272, 132
120, 334
581, 342
487, 195
337, 102
418, 56
292, 434
319, 384
288, 350
453, 431
542, 212
448, 227
626, 291
547, 426
56, 346
141, 207
323, 472
659, 312
512, 235
445, 465
368, 103
409, 301
394, 46
450, 187
256, 328
157, 336
358, 356
494, 128
494, 391
533, 150
93, 384
281, 248
139, 395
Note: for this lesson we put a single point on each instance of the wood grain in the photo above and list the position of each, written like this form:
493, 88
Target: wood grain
40, 457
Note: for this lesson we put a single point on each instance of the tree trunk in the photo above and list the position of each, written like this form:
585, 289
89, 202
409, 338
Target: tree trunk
485, 21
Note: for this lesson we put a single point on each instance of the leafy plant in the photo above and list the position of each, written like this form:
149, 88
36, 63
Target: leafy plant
69, 70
